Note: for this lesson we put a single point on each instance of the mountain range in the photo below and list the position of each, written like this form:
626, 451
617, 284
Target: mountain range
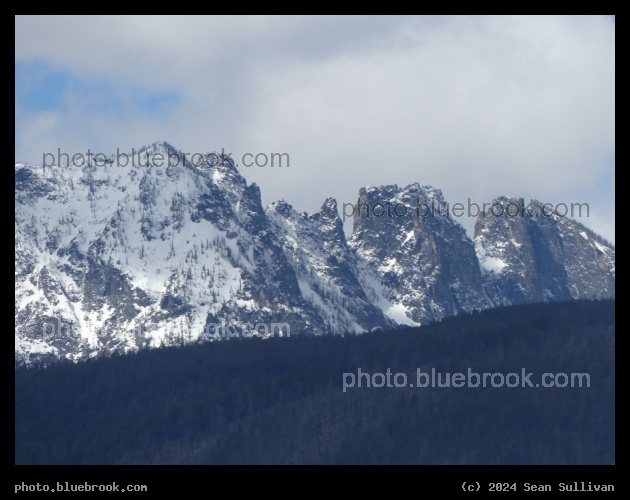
114, 259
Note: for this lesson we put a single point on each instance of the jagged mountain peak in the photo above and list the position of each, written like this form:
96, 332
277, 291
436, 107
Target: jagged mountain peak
329, 208
148, 255
393, 192
328, 216
411, 249
528, 252
164, 146
280, 206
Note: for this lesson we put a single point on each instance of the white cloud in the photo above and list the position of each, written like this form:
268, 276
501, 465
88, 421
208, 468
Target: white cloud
478, 106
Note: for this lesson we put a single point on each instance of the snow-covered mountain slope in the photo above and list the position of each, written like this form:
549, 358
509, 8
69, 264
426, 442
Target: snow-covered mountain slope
326, 267
116, 258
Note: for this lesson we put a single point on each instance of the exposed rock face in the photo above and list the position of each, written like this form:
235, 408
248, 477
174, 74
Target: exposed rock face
531, 255
112, 259
424, 260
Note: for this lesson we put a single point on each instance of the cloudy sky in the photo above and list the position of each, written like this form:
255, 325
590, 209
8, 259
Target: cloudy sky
476, 106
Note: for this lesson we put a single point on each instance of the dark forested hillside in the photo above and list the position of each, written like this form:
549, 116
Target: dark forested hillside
281, 400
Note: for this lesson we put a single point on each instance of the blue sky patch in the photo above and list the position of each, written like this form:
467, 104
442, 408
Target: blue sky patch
39, 88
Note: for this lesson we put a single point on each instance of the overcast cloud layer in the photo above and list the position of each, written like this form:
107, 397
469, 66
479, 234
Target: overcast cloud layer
476, 106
